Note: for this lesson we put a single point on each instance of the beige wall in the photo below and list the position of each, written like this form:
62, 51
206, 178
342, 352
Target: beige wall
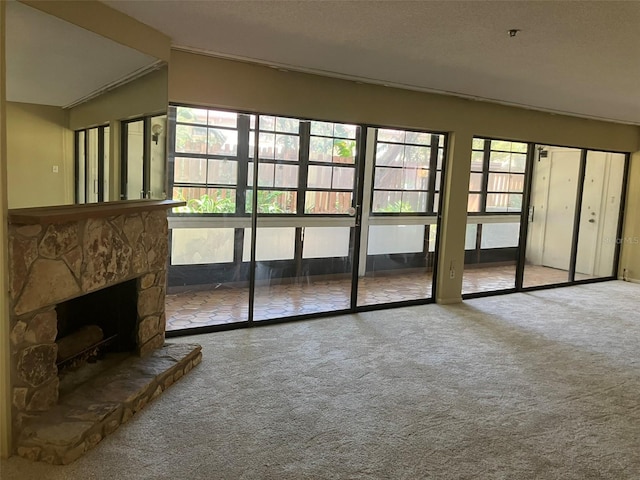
38, 140
144, 96
202, 80
630, 256
5, 403
103, 20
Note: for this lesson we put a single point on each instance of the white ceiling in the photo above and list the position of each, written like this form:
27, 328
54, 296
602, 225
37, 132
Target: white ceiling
52, 62
581, 58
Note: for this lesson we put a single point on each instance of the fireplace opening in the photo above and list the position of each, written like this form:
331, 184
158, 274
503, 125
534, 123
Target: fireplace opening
95, 324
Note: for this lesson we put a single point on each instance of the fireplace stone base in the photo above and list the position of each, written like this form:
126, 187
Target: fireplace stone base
98, 407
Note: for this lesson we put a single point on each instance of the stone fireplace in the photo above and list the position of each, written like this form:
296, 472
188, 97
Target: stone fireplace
87, 284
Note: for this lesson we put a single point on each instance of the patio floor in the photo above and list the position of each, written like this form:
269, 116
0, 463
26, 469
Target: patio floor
224, 305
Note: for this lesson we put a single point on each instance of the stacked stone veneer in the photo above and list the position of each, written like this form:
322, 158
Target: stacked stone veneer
52, 263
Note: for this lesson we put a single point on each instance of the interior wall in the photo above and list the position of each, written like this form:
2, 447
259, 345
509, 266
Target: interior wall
104, 20
5, 384
144, 96
38, 141
629, 266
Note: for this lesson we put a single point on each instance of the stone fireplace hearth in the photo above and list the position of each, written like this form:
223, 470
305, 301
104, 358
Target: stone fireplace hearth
58, 254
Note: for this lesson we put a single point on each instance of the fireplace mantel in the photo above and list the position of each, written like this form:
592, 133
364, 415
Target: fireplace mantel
69, 213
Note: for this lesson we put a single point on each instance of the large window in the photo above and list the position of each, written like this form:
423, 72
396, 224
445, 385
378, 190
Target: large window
304, 167
408, 166
497, 176
205, 169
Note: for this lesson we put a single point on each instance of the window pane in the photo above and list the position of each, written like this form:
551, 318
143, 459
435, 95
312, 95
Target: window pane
384, 201
266, 143
326, 242
389, 154
286, 176
417, 156
271, 244
272, 201
386, 239
343, 130
497, 202
266, 173
191, 139
388, 178
474, 202
475, 182
478, 144
267, 123
223, 142
319, 177
288, 125
223, 119
477, 161
395, 136
343, 177
519, 147
327, 202
415, 179
414, 202
191, 115
206, 200
498, 182
499, 162
516, 183
287, 147
419, 137
320, 149
470, 236
518, 162
191, 246
438, 180
223, 171
190, 170
344, 151
500, 235
515, 203
440, 158
322, 128
500, 145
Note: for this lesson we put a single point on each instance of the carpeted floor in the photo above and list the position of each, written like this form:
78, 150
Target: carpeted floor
544, 385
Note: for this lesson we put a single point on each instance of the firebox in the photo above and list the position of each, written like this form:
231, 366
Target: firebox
97, 323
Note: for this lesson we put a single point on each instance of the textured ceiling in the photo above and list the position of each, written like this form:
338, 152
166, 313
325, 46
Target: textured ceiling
581, 58
52, 62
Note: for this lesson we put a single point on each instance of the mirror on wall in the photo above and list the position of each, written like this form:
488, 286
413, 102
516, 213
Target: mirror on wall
69, 91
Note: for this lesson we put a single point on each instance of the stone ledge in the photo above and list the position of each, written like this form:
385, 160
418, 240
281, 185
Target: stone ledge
98, 407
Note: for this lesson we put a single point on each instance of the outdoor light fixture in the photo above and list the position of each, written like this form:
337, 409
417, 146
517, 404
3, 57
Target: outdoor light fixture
156, 131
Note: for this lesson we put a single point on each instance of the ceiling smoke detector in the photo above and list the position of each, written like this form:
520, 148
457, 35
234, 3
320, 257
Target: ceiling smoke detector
513, 32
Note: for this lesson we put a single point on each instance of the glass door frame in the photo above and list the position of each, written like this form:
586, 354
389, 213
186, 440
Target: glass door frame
524, 225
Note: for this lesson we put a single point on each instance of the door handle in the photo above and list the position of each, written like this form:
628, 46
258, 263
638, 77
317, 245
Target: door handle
592, 220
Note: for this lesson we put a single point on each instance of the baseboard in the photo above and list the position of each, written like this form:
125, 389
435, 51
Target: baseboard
632, 280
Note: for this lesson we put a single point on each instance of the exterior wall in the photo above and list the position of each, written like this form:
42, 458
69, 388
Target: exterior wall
220, 83
38, 140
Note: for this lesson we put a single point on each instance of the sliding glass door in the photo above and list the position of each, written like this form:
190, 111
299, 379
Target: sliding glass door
280, 212
574, 215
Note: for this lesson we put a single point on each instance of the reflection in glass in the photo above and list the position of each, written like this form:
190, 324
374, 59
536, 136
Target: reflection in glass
551, 218
599, 214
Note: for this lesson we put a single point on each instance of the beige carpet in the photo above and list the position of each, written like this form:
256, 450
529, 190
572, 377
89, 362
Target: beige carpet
543, 385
